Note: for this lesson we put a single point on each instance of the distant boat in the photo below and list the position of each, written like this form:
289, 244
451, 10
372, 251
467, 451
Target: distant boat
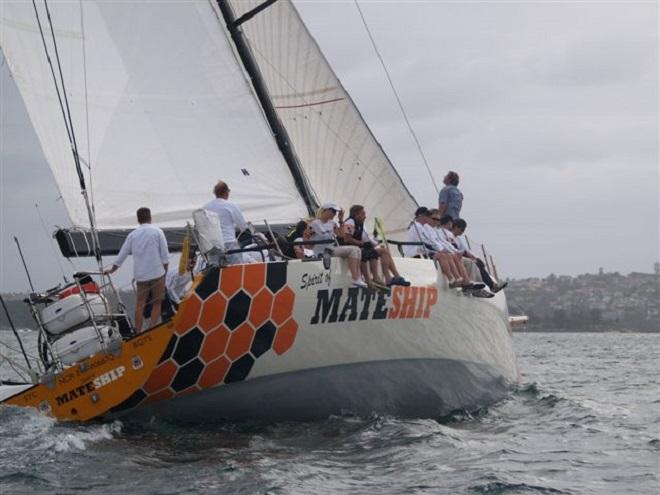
162, 99
518, 320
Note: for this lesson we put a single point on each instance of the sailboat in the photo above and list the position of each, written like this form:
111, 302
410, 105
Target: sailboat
157, 100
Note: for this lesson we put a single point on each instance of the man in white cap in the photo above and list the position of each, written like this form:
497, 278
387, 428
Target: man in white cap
324, 228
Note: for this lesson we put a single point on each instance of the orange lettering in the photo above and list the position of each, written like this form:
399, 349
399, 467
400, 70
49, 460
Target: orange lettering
396, 303
431, 299
408, 306
420, 303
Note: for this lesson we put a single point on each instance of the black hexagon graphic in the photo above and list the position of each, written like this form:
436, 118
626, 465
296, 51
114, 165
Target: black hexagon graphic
168, 350
237, 310
187, 375
276, 276
240, 369
263, 339
209, 283
188, 346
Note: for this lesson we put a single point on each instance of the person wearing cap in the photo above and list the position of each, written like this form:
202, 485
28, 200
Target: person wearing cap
325, 228
419, 232
231, 219
450, 198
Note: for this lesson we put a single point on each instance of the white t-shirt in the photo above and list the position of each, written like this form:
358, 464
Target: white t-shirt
231, 219
415, 234
445, 238
148, 246
462, 244
349, 228
322, 231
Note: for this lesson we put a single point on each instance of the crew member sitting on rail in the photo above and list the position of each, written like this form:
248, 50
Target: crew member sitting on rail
148, 246
324, 228
355, 234
304, 251
231, 219
459, 226
442, 227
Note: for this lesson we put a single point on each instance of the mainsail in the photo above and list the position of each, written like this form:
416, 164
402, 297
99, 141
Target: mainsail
340, 157
166, 102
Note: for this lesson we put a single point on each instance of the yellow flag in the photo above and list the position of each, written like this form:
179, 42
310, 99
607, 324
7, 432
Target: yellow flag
381, 231
185, 254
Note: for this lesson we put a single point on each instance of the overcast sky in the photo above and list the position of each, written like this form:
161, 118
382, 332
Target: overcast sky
548, 111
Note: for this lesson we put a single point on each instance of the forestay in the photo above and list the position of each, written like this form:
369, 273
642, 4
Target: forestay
170, 110
341, 159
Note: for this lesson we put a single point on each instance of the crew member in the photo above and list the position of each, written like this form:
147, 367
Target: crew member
148, 246
231, 219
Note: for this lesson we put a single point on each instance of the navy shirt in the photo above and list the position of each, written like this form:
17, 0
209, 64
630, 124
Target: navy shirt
453, 197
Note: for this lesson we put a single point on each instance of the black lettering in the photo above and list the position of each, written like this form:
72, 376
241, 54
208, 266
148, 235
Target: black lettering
326, 306
62, 399
350, 305
380, 311
367, 296
89, 387
303, 281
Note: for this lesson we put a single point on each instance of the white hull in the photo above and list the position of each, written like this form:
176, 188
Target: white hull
458, 355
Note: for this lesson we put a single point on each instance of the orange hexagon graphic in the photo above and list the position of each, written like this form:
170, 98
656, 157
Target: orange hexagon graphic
214, 373
285, 336
161, 377
162, 395
190, 309
254, 277
231, 278
213, 312
214, 344
265, 304
260, 307
283, 305
240, 341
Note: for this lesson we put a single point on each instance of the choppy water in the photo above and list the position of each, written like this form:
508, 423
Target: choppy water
584, 420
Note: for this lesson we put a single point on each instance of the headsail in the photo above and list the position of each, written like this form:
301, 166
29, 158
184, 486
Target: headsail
341, 158
170, 110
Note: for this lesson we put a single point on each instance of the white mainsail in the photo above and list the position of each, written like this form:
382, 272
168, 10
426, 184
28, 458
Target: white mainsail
167, 104
340, 157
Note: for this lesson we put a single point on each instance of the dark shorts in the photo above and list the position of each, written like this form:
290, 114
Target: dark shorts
369, 254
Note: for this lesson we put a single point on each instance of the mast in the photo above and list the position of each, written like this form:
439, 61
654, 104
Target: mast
279, 132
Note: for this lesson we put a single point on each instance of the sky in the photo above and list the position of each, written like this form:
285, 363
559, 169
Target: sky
548, 111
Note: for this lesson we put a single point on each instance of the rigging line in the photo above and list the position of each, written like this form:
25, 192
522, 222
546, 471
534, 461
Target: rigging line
396, 95
76, 157
52, 70
66, 99
88, 163
50, 242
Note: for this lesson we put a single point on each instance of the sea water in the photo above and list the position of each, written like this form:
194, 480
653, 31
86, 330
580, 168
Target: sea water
584, 419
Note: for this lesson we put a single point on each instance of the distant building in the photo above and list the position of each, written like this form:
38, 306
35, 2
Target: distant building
657, 268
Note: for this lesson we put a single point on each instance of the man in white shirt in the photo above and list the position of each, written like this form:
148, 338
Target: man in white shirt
422, 230
148, 246
231, 219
